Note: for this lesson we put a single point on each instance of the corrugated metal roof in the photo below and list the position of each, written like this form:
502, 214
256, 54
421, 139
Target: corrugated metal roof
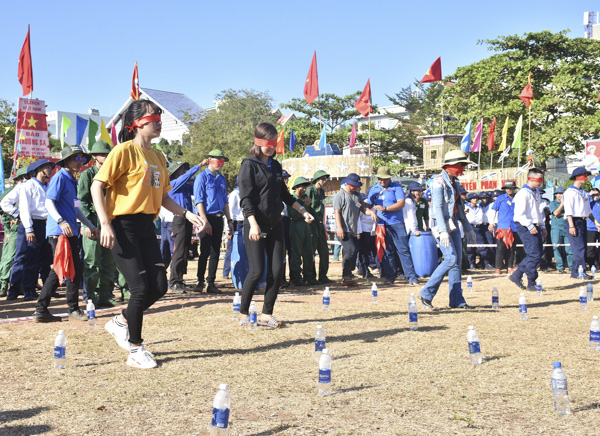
174, 102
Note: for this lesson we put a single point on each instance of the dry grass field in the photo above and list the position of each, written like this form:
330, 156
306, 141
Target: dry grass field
386, 379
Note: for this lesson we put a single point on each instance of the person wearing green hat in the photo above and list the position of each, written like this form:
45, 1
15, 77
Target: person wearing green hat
9, 212
316, 194
302, 263
210, 196
99, 266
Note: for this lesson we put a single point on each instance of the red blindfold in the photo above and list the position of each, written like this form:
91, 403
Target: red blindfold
216, 161
265, 143
141, 122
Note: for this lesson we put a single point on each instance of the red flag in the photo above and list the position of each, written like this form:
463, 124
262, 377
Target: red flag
25, 73
311, 86
363, 104
280, 143
434, 73
527, 94
353, 135
113, 134
63, 260
135, 84
491, 141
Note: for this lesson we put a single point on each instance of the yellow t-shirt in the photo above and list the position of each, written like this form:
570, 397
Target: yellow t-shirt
136, 180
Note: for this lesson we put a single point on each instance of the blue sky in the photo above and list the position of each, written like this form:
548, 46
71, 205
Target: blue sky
84, 52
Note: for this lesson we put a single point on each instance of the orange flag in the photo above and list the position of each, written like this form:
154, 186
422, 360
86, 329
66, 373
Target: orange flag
363, 104
491, 141
434, 73
135, 84
280, 143
25, 73
527, 94
311, 86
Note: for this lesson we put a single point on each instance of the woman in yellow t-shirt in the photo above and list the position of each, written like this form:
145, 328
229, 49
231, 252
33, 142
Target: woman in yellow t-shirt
137, 184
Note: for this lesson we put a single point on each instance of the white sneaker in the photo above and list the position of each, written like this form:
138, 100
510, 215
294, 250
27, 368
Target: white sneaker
141, 358
121, 334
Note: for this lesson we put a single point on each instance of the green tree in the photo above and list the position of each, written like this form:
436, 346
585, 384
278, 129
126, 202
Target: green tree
7, 133
172, 149
230, 127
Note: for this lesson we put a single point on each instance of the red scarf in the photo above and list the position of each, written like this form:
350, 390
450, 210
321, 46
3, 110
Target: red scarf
380, 241
506, 235
63, 260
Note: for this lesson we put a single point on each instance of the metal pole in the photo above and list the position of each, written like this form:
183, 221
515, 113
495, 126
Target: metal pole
369, 120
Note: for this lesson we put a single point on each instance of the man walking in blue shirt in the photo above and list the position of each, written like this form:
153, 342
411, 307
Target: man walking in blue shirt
210, 196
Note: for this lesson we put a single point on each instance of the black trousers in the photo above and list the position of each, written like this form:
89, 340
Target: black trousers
505, 254
273, 244
138, 257
591, 251
51, 283
182, 235
210, 248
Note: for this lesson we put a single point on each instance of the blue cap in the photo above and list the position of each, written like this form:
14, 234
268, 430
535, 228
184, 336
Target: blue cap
427, 194
285, 174
473, 195
415, 186
579, 171
485, 194
462, 189
559, 190
352, 179
556, 364
38, 163
497, 193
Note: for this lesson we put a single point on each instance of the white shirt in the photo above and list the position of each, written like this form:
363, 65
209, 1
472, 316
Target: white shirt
10, 202
409, 211
577, 203
32, 198
165, 215
234, 205
474, 214
365, 224
527, 208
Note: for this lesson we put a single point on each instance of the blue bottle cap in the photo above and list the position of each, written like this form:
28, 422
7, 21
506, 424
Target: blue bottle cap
556, 364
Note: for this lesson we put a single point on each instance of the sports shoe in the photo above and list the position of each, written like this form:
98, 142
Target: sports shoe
516, 282
178, 288
78, 314
325, 280
45, 316
140, 358
212, 289
427, 303
120, 333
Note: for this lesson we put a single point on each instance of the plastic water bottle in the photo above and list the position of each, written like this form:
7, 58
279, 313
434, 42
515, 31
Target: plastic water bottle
559, 390
237, 302
538, 286
495, 299
252, 314
593, 271
91, 313
220, 413
469, 284
474, 347
325, 373
595, 334
583, 299
319, 342
60, 349
413, 315
523, 306
590, 292
326, 299
374, 292
580, 273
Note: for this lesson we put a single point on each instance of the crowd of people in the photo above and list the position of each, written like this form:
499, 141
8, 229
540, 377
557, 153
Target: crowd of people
102, 222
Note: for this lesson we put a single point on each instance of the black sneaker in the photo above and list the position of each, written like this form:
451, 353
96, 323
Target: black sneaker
466, 306
178, 288
427, 303
516, 282
325, 280
212, 289
78, 314
199, 287
45, 317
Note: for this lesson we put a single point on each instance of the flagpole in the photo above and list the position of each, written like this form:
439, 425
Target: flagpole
369, 120
529, 126
442, 97
491, 159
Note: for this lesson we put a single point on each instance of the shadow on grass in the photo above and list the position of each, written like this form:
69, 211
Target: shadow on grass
592, 406
13, 415
352, 389
366, 337
26, 429
275, 430
497, 357
362, 315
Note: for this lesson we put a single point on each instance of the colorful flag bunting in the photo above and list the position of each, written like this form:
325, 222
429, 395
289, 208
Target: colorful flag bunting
477, 140
322, 140
292, 140
465, 143
104, 135
135, 84
434, 73
504, 136
363, 104
25, 73
527, 94
92, 133
353, 136
311, 86
66, 123
280, 143
491, 140
80, 126
517, 138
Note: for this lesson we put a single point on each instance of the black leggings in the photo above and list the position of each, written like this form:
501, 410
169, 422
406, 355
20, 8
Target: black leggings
210, 249
138, 257
273, 245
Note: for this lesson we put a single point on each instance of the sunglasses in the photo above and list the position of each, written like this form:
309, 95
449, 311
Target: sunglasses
80, 159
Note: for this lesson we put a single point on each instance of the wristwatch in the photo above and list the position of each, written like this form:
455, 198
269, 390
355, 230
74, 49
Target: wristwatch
184, 213
60, 221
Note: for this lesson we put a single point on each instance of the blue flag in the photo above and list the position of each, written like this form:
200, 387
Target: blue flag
80, 129
322, 140
292, 140
465, 143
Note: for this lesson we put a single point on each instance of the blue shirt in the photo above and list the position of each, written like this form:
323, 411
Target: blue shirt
505, 207
62, 189
595, 206
380, 196
182, 191
211, 191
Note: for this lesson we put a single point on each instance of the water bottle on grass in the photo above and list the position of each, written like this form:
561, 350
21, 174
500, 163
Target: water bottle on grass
595, 334
220, 413
237, 302
325, 373
60, 349
495, 299
469, 284
582, 298
319, 342
593, 271
523, 306
374, 292
580, 273
538, 286
91, 313
559, 390
474, 347
413, 314
253, 315
590, 292
326, 299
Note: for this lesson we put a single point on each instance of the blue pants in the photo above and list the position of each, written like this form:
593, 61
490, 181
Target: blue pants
559, 236
26, 267
451, 266
534, 246
396, 242
166, 242
237, 225
578, 244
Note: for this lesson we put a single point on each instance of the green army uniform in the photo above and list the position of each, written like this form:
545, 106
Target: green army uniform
99, 263
9, 247
319, 234
302, 262
422, 213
